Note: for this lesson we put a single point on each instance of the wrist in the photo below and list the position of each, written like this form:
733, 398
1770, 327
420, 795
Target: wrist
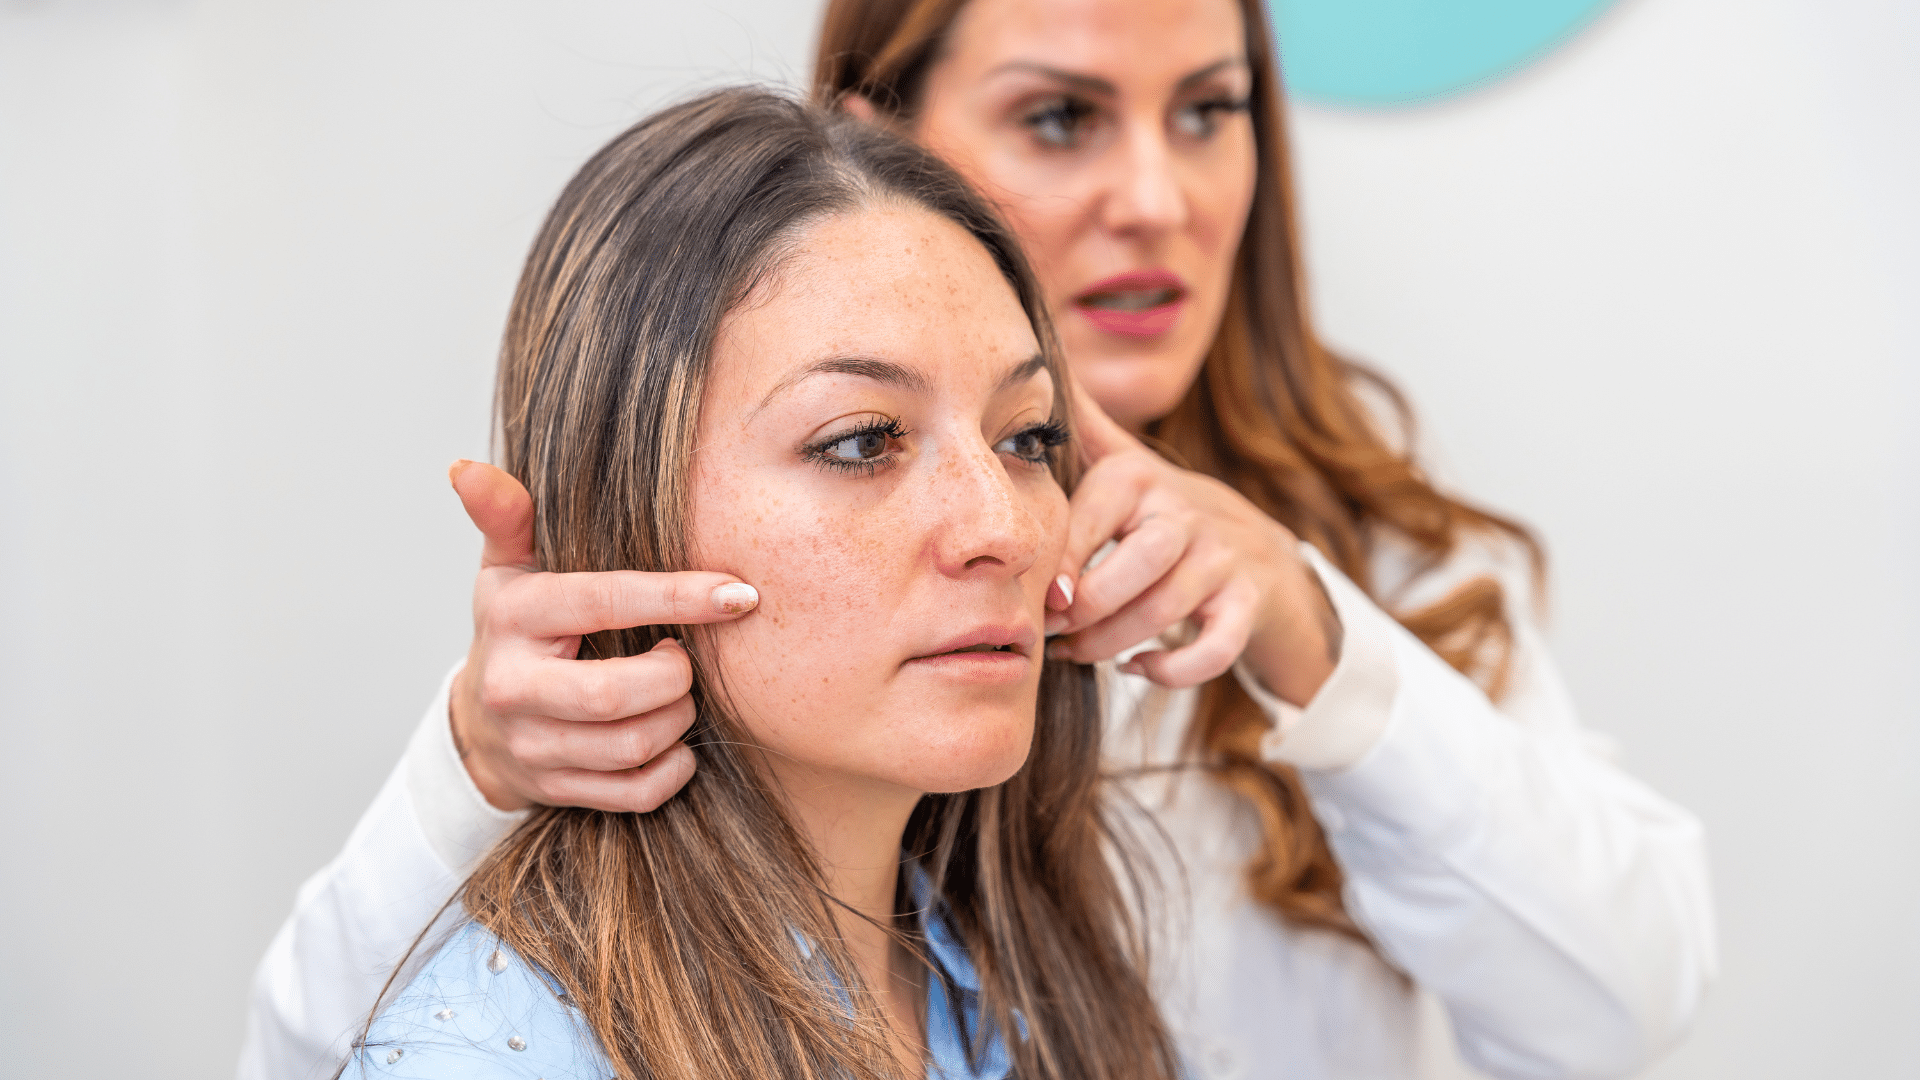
1296, 646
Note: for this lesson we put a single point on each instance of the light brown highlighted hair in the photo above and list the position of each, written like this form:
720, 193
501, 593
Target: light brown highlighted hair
699, 940
1274, 413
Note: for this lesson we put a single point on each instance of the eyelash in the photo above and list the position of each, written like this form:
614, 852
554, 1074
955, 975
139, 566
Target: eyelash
1069, 112
1051, 434
893, 429
1213, 108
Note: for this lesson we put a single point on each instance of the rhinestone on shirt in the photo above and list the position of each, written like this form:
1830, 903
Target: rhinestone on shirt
516, 1043
497, 963
443, 1014
394, 1055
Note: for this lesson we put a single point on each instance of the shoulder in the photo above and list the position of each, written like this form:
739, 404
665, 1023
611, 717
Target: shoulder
477, 1010
1405, 581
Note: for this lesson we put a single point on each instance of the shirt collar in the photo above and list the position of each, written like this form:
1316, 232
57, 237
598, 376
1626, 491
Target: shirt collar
952, 1032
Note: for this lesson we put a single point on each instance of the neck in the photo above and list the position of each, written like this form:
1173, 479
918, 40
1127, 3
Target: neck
854, 826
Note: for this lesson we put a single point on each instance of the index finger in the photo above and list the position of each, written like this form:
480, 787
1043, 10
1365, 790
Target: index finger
1104, 502
1094, 431
561, 605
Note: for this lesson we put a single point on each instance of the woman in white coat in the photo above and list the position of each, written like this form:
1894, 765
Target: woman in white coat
1391, 847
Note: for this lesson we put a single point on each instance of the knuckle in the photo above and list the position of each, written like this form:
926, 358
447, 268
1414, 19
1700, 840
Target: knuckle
598, 695
680, 598
676, 671
602, 600
499, 691
636, 746
1158, 541
525, 746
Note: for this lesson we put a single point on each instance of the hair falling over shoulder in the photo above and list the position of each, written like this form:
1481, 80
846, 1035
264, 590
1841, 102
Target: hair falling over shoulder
698, 940
1275, 414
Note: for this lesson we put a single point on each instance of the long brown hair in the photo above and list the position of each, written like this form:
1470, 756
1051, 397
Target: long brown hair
699, 939
1274, 413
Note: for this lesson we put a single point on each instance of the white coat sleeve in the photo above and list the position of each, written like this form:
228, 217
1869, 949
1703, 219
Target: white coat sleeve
1558, 908
354, 920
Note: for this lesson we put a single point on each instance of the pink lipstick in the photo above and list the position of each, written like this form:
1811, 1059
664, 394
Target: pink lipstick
1143, 303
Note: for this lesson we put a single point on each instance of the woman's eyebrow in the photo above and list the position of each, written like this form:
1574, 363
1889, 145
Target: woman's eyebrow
1093, 84
1021, 372
876, 368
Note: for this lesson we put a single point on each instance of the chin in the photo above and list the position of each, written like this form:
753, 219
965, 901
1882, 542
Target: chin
1134, 390
968, 755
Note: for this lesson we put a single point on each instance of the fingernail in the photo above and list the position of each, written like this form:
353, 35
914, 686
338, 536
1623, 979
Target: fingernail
1056, 622
735, 597
1060, 594
1132, 667
1059, 650
453, 470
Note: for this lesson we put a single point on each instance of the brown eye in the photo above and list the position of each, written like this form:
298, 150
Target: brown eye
866, 448
1059, 122
1032, 444
861, 446
1202, 119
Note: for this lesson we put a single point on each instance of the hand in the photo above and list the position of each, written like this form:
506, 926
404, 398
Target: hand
1189, 548
536, 725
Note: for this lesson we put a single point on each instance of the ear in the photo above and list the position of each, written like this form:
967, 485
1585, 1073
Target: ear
859, 107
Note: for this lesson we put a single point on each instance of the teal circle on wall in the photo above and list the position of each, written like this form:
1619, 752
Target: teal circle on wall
1398, 52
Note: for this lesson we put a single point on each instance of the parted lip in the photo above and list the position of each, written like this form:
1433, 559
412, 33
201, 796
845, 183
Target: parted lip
1015, 638
1135, 281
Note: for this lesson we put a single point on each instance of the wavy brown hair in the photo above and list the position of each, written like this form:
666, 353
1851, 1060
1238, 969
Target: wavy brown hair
1275, 414
699, 940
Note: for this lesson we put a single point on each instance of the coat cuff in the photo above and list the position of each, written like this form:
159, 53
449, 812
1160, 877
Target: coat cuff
459, 823
1346, 719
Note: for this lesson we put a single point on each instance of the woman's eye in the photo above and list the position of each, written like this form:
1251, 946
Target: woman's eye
862, 446
1059, 122
1032, 444
866, 448
1202, 119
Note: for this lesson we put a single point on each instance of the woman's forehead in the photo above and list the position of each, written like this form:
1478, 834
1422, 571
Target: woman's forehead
899, 285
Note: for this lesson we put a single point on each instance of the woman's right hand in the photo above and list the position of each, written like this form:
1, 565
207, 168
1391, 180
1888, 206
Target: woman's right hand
534, 724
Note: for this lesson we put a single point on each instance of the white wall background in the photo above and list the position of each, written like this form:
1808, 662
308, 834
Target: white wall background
1657, 295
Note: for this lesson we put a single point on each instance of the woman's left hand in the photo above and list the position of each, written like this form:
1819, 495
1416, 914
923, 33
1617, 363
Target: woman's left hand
1188, 548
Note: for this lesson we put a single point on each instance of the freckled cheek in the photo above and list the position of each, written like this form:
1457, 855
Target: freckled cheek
826, 578
1051, 515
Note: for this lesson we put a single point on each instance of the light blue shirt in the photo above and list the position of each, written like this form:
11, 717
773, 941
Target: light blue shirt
477, 1011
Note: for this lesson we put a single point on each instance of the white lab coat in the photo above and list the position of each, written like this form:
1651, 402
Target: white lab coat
1553, 909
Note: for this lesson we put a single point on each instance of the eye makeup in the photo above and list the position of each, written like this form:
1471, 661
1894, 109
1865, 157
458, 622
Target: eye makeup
1034, 444
862, 448
872, 446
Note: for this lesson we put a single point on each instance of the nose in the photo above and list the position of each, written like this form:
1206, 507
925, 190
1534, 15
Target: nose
984, 523
1145, 194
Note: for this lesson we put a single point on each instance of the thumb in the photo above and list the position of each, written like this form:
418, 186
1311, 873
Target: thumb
1096, 432
500, 508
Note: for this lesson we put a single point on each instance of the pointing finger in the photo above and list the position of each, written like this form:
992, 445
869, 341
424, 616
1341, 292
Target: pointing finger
1096, 432
561, 605
1108, 497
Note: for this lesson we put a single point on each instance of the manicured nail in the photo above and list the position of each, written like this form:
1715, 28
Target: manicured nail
453, 470
1056, 622
735, 597
1059, 650
1060, 594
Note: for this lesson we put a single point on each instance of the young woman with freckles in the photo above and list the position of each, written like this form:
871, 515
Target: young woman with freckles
1323, 675
756, 336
